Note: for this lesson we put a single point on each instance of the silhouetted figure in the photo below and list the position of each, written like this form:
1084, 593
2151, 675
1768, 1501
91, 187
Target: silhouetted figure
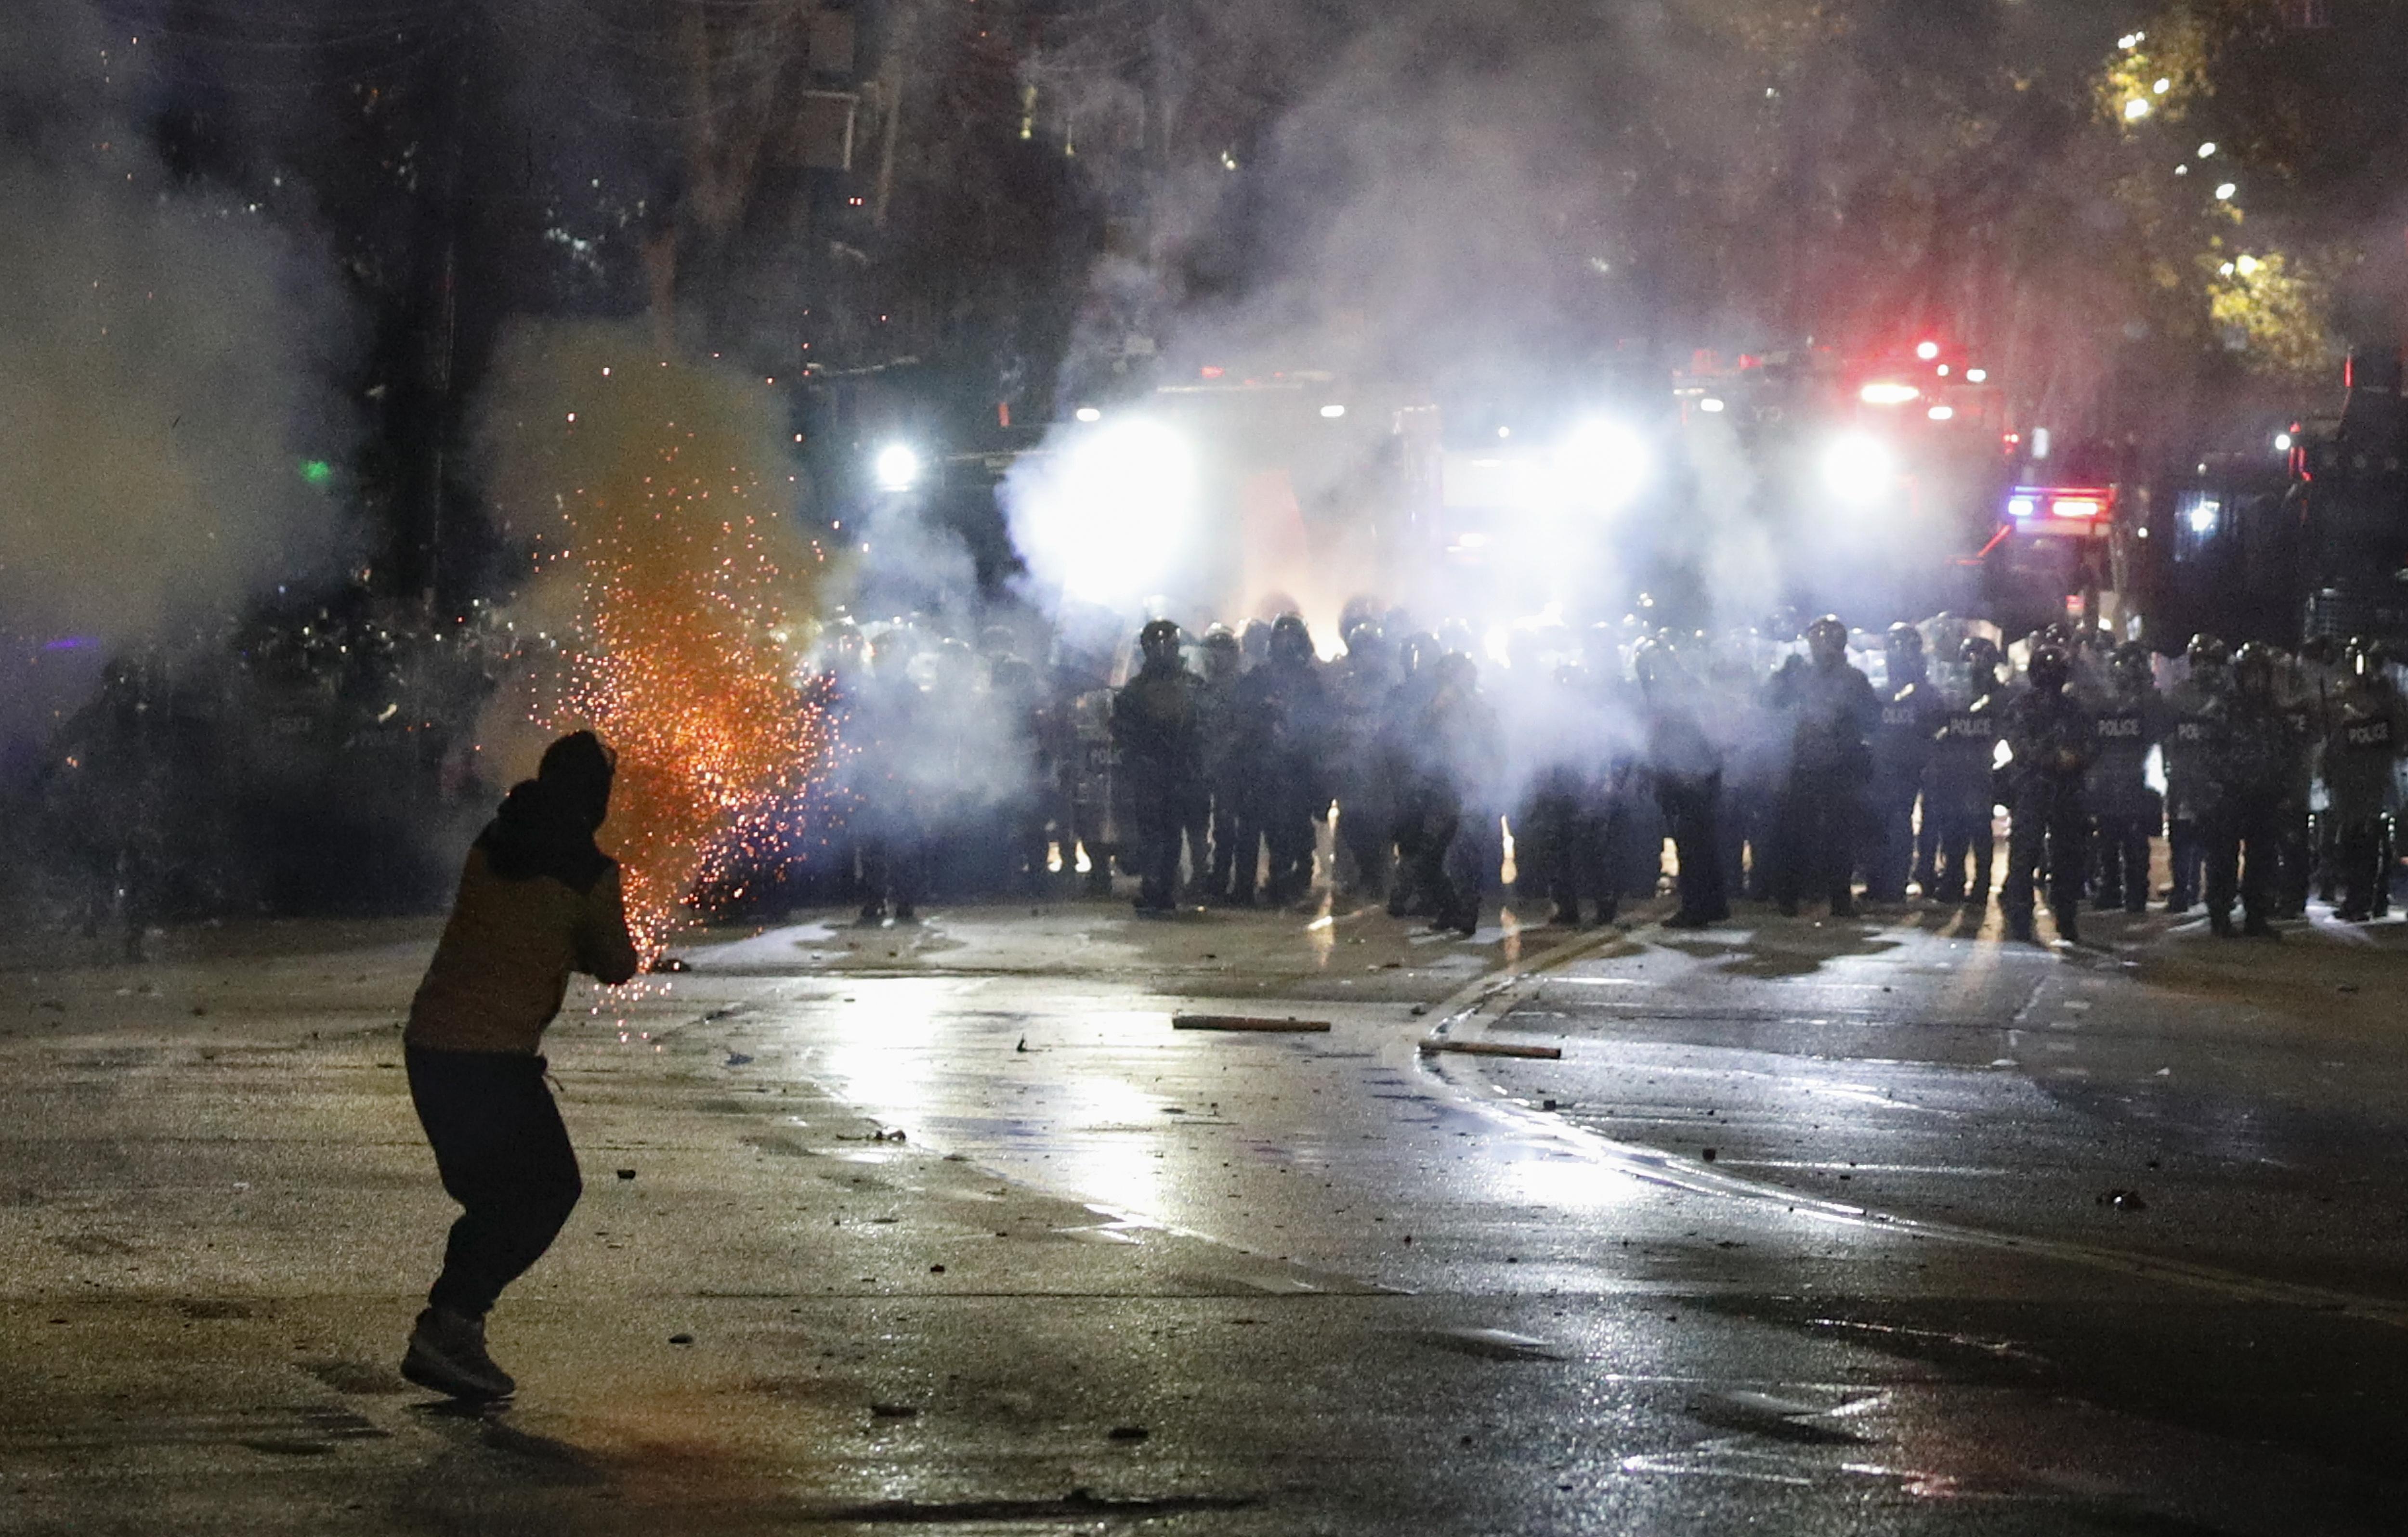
537, 901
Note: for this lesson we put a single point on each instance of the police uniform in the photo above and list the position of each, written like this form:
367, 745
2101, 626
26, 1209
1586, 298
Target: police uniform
1961, 793
2126, 812
1157, 726
2361, 753
2049, 737
1901, 746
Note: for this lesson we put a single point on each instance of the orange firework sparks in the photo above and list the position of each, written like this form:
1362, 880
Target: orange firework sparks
668, 559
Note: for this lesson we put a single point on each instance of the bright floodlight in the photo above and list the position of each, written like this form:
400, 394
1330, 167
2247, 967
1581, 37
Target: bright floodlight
1977, 376
1926, 351
2224, 192
2281, 443
897, 467
1710, 406
2135, 110
1942, 413
1088, 413
1890, 395
1857, 468
1331, 413
2207, 150
1112, 517
1601, 466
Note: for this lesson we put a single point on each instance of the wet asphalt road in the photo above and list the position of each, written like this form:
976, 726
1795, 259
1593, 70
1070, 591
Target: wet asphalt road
1122, 1277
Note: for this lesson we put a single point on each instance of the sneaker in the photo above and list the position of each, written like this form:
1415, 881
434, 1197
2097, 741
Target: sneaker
446, 1356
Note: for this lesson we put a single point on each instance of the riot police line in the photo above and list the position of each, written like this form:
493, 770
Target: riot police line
320, 763
1772, 763
319, 759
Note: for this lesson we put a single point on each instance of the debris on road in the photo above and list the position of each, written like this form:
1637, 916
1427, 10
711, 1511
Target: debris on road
626, 1173
1130, 1432
680, 1339
1492, 1048
1499, 1344
1290, 1026
895, 1411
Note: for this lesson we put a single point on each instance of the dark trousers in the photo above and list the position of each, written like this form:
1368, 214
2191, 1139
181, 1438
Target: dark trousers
2047, 840
2186, 851
1818, 815
504, 1157
1161, 818
1426, 831
2250, 824
1966, 845
1365, 819
2297, 845
1889, 838
2120, 861
895, 866
1693, 811
1225, 837
1288, 832
2359, 860
1566, 848
1926, 850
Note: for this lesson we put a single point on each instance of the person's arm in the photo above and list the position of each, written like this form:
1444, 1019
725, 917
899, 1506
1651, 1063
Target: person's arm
606, 951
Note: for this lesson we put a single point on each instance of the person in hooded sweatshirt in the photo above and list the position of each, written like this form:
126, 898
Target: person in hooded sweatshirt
537, 901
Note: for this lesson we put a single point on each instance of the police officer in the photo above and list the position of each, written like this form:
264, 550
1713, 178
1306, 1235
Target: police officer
1834, 716
2306, 707
1911, 712
1686, 766
1958, 785
1573, 817
2189, 748
1447, 757
2369, 730
1399, 752
1359, 690
2050, 743
2250, 766
2128, 722
1283, 717
1216, 705
1156, 728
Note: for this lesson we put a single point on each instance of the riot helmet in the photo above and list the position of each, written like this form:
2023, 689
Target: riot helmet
1981, 654
2132, 668
2253, 670
1827, 641
1221, 658
2050, 669
1159, 641
1291, 642
1903, 648
2206, 651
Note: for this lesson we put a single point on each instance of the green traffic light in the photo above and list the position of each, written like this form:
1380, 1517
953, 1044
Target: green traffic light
317, 472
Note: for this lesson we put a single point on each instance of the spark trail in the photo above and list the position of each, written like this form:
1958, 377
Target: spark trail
658, 499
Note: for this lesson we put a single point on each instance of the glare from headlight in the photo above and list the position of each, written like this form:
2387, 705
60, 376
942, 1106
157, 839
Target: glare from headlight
1601, 467
1859, 468
897, 467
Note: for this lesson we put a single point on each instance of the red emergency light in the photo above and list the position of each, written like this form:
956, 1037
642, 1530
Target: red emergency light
2037, 506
